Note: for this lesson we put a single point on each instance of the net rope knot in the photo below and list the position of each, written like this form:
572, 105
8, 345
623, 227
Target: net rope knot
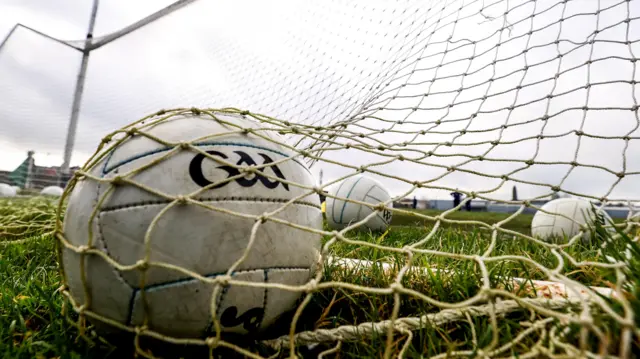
142, 264
223, 279
311, 286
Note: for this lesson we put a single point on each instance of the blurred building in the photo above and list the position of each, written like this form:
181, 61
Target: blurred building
28, 175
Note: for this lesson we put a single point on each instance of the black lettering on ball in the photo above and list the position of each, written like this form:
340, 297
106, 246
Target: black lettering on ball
250, 319
386, 215
195, 171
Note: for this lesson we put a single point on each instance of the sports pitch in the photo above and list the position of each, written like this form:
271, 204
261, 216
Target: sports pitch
33, 323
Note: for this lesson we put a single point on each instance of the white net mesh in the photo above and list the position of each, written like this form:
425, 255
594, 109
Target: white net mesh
121, 216
428, 99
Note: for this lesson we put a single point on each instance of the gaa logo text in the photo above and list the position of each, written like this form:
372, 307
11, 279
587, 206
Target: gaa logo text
195, 171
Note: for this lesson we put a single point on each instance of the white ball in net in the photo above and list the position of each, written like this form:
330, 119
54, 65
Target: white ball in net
341, 213
187, 235
553, 224
7, 190
54, 191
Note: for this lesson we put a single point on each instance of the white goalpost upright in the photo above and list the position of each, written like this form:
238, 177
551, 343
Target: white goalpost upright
90, 45
77, 96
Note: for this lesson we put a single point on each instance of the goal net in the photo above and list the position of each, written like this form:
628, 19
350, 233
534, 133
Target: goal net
509, 102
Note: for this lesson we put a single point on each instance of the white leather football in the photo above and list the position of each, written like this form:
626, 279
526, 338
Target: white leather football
204, 240
342, 213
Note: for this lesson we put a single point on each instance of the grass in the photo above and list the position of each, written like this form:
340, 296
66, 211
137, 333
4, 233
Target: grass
521, 223
32, 323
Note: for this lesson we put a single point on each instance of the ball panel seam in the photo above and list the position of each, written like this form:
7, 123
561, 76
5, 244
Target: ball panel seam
132, 302
374, 198
209, 329
106, 249
208, 199
211, 275
333, 204
101, 238
223, 293
210, 326
264, 301
344, 205
106, 162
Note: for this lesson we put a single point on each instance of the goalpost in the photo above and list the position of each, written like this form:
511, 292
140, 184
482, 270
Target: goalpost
473, 96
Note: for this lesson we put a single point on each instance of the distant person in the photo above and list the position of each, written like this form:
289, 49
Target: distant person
415, 202
456, 198
467, 205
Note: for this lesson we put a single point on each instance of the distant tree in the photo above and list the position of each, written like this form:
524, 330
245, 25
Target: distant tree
514, 193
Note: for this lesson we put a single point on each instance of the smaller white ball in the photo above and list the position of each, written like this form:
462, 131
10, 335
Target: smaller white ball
341, 213
7, 191
54, 191
553, 224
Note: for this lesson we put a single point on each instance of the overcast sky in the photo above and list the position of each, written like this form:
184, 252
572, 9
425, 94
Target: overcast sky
322, 62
